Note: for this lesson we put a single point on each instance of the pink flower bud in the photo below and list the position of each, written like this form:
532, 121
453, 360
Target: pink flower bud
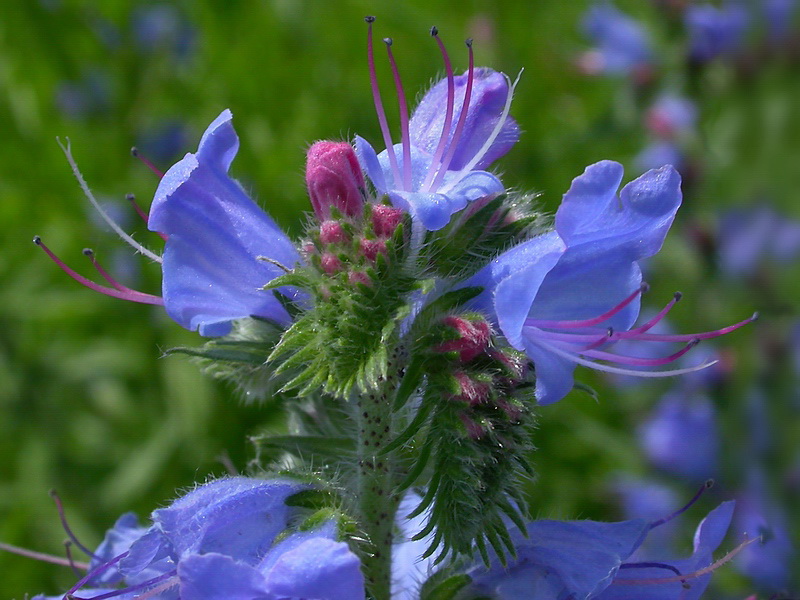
359, 277
473, 340
371, 248
331, 263
472, 392
334, 178
385, 219
332, 232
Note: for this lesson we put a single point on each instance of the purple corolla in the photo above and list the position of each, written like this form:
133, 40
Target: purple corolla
459, 128
226, 539
715, 31
564, 295
589, 559
214, 265
622, 43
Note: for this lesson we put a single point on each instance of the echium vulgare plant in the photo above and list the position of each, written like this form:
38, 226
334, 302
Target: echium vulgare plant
410, 333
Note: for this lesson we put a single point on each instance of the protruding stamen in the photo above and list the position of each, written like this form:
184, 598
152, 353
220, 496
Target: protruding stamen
448, 115
88, 193
49, 558
147, 162
376, 99
462, 118
594, 320
126, 294
635, 361
665, 337
72, 564
401, 100
133, 588
94, 573
103, 273
635, 332
143, 215
651, 565
60, 508
706, 486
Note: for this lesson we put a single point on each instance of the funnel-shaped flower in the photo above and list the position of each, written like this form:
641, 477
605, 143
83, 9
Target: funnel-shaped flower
213, 269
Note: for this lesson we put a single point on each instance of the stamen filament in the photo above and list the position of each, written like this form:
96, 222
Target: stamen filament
133, 588
640, 362
169, 583
72, 564
94, 573
55, 560
448, 115
706, 486
376, 99
131, 295
60, 508
403, 105
650, 565
148, 163
665, 337
589, 322
462, 118
657, 318
103, 273
143, 215
88, 193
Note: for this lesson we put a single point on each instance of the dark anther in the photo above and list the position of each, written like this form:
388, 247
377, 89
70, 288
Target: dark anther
130, 197
434, 31
677, 296
369, 19
709, 484
134, 151
387, 41
37, 240
755, 316
645, 287
468, 42
88, 252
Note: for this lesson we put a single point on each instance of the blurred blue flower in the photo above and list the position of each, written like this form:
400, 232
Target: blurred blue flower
89, 96
778, 15
681, 437
658, 153
622, 43
715, 31
163, 142
162, 27
221, 541
212, 267
671, 116
587, 559
649, 500
460, 127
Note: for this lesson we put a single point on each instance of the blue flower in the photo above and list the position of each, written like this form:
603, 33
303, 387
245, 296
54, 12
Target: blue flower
213, 270
458, 129
589, 559
222, 541
622, 43
715, 31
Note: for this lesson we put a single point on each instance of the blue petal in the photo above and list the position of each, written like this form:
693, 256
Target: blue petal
214, 576
554, 375
309, 565
118, 539
368, 159
488, 99
409, 570
575, 559
211, 271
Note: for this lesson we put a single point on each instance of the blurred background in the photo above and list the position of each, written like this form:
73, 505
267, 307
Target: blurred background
90, 407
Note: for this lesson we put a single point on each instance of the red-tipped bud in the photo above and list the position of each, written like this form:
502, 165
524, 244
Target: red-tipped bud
330, 263
385, 219
474, 430
472, 392
334, 178
332, 232
359, 277
473, 337
371, 248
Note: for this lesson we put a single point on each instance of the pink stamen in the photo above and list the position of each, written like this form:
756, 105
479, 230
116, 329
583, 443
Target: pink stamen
706, 486
654, 321
60, 508
49, 558
401, 100
103, 273
448, 115
131, 295
599, 341
589, 322
94, 573
72, 564
665, 337
143, 215
148, 163
640, 362
376, 99
462, 118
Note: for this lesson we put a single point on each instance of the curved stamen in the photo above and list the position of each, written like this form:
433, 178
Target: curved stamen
599, 341
636, 361
619, 371
94, 573
706, 486
651, 565
666, 337
403, 105
143, 215
448, 115
60, 508
655, 320
103, 273
462, 118
88, 193
133, 588
131, 295
569, 324
148, 163
376, 99
49, 558
72, 564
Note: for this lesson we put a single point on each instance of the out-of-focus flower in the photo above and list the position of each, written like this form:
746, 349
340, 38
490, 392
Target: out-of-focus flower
649, 500
622, 45
222, 541
658, 153
86, 97
671, 116
458, 129
778, 15
163, 142
162, 27
564, 295
681, 437
587, 559
715, 31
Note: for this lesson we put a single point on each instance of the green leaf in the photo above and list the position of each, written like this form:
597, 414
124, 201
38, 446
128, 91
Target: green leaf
443, 586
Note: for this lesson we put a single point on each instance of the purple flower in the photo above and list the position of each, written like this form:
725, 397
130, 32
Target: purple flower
162, 27
622, 43
682, 437
220, 541
671, 116
459, 128
715, 31
213, 269
587, 559
778, 16
657, 153
563, 295
650, 500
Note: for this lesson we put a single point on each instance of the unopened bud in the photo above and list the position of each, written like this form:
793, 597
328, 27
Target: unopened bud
371, 248
385, 219
330, 263
473, 337
359, 277
471, 391
334, 178
332, 232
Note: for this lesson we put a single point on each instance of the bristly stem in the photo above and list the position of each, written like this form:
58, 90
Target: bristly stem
377, 479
